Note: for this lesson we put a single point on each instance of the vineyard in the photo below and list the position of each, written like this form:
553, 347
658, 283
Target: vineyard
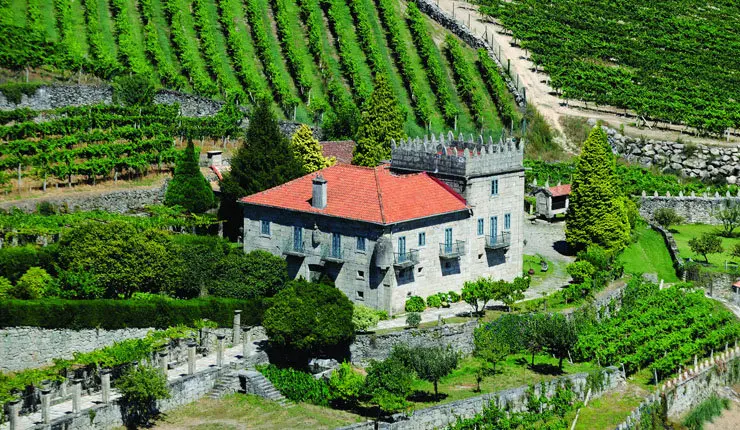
97, 142
673, 61
312, 57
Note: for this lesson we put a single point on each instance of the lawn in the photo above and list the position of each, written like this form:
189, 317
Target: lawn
514, 372
649, 255
533, 262
607, 412
239, 411
684, 233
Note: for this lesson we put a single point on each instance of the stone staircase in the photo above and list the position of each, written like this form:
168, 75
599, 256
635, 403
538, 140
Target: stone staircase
226, 384
253, 382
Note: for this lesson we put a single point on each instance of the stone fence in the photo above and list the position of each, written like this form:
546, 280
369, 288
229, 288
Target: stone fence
691, 387
118, 201
513, 400
367, 347
693, 209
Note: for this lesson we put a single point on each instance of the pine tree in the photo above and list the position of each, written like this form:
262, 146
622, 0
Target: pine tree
308, 149
382, 120
188, 187
596, 213
266, 159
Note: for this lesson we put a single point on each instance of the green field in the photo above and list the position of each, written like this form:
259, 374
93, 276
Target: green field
684, 233
672, 60
649, 255
304, 54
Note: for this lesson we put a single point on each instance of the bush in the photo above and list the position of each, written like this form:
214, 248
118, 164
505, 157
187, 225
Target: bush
454, 297
364, 317
415, 304
249, 276
413, 319
140, 388
34, 284
136, 90
345, 386
16, 260
188, 187
580, 271
117, 314
201, 257
667, 217
434, 301
5, 287
297, 386
388, 382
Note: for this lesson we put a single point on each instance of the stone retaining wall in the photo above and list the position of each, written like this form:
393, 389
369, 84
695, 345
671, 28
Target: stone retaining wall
514, 399
368, 347
118, 201
693, 209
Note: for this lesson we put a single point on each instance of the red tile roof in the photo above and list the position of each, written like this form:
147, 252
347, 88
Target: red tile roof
366, 194
560, 190
340, 149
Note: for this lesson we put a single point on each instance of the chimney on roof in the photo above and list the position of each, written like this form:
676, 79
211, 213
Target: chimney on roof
318, 198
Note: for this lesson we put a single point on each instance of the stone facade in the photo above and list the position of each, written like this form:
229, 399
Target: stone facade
515, 399
442, 251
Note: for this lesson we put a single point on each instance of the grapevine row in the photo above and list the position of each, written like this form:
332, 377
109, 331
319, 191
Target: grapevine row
219, 66
464, 79
167, 72
241, 50
283, 94
294, 57
105, 63
132, 55
435, 71
497, 88
74, 56
187, 48
366, 37
33, 16
392, 23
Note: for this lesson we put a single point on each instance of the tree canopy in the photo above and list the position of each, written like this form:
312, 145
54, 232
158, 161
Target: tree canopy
307, 148
382, 120
188, 187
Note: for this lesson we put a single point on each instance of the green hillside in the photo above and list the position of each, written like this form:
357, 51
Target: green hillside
309, 56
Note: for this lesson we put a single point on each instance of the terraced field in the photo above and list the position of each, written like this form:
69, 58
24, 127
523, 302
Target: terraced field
306, 55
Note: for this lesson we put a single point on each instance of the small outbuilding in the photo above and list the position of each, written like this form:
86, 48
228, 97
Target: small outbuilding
552, 201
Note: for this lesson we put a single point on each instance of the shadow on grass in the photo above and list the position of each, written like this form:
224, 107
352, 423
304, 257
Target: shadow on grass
426, 396
546, 369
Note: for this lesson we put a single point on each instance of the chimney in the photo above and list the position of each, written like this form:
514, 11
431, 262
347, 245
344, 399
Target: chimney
318, 199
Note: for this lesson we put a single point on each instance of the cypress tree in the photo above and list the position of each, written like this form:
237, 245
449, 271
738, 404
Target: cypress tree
188, 187
596, 213
382, 120
308, 149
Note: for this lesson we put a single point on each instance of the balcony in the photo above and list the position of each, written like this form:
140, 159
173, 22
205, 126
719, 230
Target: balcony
406, 259
332, 254
295, 249
452, 250
499, 241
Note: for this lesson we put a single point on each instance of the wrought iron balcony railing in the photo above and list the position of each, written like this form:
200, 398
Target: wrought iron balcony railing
452, 249
499, 241
406, 259
332, 254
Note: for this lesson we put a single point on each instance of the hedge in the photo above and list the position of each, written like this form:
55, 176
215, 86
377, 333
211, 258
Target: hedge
117, 314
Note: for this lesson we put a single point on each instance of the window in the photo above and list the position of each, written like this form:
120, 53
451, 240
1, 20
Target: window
360, 274
402, 246
494, 227
480, 226
448, 240
494, 187
336, 245
507, 222
265, 231
298, 238
361, 295
422, 239
361, 244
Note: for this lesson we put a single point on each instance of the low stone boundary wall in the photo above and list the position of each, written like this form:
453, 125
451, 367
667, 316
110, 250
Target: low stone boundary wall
367, 347
515, 399
693, 209
682, 393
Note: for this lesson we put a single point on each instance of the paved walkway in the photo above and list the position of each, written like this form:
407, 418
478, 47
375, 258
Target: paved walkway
231, 355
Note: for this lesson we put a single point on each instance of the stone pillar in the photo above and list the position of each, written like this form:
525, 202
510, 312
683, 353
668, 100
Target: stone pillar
76, 396
163, 361
191, 358
14, 406
46, 405
247, 343
237, 327
220, 350
105, 385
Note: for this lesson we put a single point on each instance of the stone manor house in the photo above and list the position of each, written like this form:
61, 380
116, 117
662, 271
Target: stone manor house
442, 212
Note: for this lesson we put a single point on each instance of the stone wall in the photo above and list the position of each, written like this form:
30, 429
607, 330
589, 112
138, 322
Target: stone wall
693, 209
368, 347
514, 399
118, 201
684, 392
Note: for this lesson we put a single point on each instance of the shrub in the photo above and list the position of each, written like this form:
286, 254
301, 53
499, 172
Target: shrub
140, 388
16, 260
188, 187
5, 287
364, 317
706, 411
117, 314
297, 386
345, 386
454, 297
135, 90
34, 284
434, 301
415, 304
667, 217
580, 271
413, 319
249, 276
388, 383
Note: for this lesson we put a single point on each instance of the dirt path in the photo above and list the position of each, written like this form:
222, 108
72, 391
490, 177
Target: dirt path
537, 85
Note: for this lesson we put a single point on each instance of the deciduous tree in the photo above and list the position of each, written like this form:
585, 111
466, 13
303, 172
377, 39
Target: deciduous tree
706, 244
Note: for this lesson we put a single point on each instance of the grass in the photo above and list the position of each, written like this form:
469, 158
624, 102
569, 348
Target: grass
607, 412
649, 255
514, 372
533, 262
240, 411
706, 412
684, 233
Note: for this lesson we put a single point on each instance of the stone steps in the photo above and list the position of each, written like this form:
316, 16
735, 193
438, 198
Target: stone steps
259, 385
227, 384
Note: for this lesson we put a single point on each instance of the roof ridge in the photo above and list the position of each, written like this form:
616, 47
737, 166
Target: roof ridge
380, 194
